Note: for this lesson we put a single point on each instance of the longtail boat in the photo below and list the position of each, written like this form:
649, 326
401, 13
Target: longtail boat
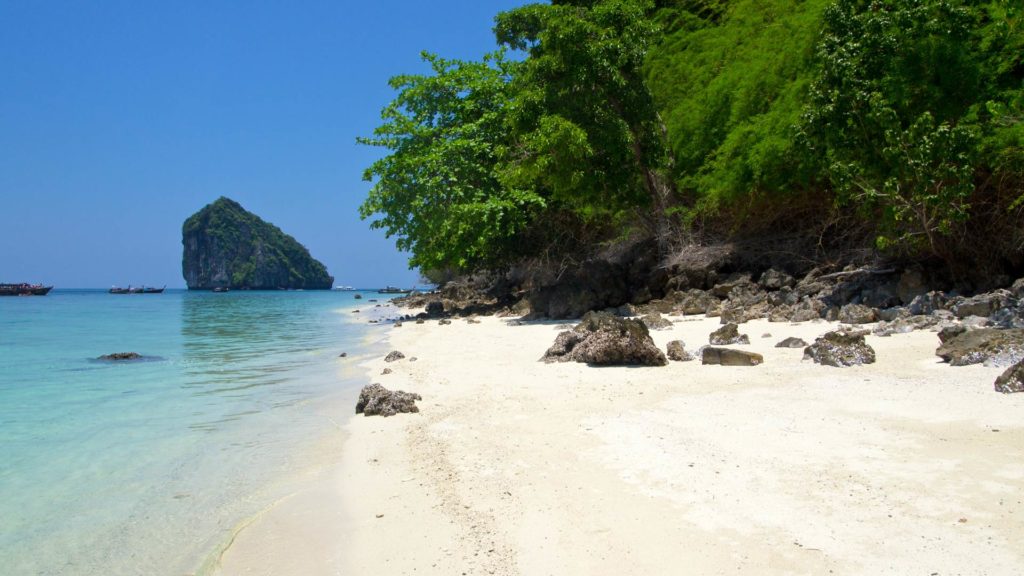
24, 289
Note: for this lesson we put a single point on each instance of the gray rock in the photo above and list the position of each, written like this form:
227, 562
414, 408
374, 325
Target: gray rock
358, 297
677, 351
791, 342
394, 355
773, 279
421, 321
385, 371
982, 304
927, 303
602, 339
949, 332
656, 321
1012, 380
990, 346
729, 357
694, 302
444, 322
856, 314
841, 348
378, 400
724, 287
728, 334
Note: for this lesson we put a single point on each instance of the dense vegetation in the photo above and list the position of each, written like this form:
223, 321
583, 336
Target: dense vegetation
902, 119
225, 245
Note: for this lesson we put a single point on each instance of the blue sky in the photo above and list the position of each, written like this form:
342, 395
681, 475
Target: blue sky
120, 119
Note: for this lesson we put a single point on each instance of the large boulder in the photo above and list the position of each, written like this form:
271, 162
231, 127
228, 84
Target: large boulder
225, 246
728, 334
602, 339
729, 357
1012, 380
773, 279
378, 400
990, 346
791, 342
982, 304
694, 301
841, 348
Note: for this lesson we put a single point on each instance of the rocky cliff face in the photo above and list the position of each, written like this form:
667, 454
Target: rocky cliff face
227, 246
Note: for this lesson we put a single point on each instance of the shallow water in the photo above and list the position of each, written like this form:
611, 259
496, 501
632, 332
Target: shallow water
146, 467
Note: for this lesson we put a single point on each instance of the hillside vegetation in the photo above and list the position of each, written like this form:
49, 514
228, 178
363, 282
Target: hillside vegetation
883, 129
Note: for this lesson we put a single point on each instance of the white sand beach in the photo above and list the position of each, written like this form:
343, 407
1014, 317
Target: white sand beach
514, 466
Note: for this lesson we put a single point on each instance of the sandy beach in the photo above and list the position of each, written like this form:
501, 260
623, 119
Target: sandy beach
514, 466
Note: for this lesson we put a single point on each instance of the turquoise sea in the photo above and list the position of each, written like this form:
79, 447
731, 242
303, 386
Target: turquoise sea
149, 467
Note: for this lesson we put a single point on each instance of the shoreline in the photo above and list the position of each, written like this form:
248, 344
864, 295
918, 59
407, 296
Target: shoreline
514, 466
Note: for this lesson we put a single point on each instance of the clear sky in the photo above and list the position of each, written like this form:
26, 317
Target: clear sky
118, 120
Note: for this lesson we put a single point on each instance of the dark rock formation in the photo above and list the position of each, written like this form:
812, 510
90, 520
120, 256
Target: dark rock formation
791, 342
227, 247
360, 297
435, 308
841, 348
394, 355
656, 321
989, 345
121, 356
378, 400
1012, 380
676, 350
729, 357
603, 340
950, 332
728, 334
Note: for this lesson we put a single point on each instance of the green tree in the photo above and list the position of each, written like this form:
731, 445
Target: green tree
438, 190
892, 114
587, 132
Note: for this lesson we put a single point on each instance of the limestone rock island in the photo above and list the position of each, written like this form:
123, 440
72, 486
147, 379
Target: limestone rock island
226, 246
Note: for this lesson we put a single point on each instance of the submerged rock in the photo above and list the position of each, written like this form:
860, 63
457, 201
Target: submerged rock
841, 348
991, 346
791, 342
603, 339
1012, 380
121, 356
728, 334
378, 400
729, 357
394, 355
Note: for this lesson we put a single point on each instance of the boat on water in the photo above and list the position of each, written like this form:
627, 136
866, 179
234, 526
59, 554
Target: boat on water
393, 290
137, 290
221, 289
24, 289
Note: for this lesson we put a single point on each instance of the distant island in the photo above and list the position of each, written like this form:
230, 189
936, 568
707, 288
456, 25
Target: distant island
226, 246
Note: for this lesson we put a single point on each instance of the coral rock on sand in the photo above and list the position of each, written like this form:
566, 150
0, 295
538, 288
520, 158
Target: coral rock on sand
376, 399
729, 357
656, 321
1012, 380
856, 314
992, 346
605, 340
728, 334
791, 342
394, 355
841, 348
677, 351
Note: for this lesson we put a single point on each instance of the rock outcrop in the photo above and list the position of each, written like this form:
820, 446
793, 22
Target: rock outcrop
728, 334
377, 400
841, 348
226, 246
602, 339
990, 346
676, 350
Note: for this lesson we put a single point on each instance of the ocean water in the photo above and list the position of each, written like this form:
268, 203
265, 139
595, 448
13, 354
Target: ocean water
149, 467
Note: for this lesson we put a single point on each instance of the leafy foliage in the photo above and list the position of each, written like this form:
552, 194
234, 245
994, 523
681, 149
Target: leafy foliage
438, 190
